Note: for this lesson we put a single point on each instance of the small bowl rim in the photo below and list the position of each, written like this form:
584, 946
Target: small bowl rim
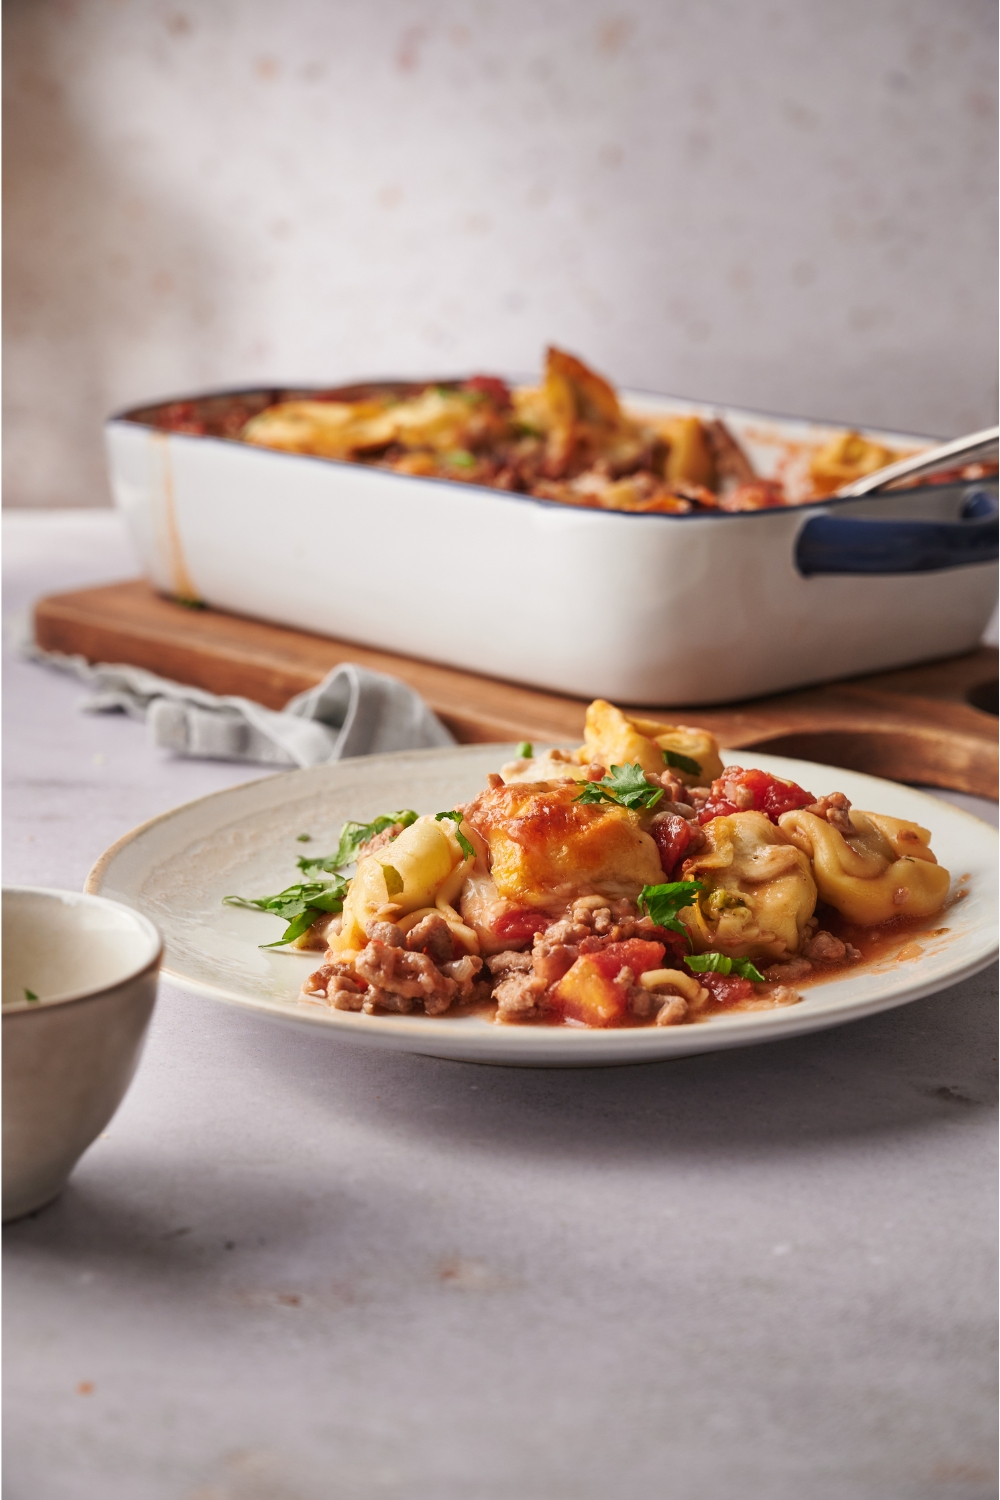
86, 898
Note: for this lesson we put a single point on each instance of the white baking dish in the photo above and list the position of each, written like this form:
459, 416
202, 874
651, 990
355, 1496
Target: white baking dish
655, 609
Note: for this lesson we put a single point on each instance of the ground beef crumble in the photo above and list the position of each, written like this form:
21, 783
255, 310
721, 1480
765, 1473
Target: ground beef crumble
835, 810
425, 969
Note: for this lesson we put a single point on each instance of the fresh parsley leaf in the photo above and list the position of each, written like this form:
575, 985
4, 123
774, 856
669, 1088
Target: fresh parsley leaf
352, 836
463, 842
746, 970
663, 902
627, 786
525, 749
296, 927
682, 762
460, 458
303, 838
721, 963
30, 995
299, 905
393, 880
596, 791
709, 963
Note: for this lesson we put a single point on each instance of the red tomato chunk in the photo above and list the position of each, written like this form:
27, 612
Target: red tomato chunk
671, 834
726, 989
753, 791
588, 992
635, 953
521, 926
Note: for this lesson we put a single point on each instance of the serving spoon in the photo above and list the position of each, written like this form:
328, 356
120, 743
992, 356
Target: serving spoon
963, 449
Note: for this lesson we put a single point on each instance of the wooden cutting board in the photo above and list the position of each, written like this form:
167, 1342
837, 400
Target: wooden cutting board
935, 724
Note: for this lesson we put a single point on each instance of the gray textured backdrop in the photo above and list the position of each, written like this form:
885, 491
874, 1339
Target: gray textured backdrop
784, 205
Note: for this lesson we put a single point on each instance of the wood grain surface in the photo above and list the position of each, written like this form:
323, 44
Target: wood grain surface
929, 724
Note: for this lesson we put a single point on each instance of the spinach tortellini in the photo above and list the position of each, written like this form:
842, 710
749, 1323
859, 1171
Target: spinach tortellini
759, 890
883, 869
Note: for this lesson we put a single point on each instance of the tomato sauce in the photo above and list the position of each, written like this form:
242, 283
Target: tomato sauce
900, 938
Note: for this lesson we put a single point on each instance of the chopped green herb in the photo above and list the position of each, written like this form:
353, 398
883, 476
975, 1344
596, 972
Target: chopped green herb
352, 836
663, 902
627, 786
190, 603
300, 905
296, 927
460, 458
463, 842
525, 750
30, 995
303, 838
682, 762
721, 963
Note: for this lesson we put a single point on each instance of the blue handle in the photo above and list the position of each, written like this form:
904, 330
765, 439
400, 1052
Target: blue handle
852, 544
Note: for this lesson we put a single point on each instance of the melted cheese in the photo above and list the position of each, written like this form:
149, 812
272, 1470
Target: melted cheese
546, 848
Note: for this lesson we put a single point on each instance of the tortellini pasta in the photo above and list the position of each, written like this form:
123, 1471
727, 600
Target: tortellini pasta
437, 419
847, 456
883, 869
611, 738
759, 893
689, 453
334, 429
428, 862
547, 766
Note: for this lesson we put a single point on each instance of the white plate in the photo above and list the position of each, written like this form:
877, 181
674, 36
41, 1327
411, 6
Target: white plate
177, 868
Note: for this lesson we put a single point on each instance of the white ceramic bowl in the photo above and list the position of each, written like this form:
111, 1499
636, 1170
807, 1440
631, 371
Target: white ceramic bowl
69, 1054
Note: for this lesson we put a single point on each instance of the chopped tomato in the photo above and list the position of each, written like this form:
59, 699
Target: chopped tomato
588, 992
671, 834
636, 953
770, 795
520, 926
678, 947
726, 989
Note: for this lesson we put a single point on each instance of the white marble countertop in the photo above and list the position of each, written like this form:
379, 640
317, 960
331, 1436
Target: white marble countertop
293, 1271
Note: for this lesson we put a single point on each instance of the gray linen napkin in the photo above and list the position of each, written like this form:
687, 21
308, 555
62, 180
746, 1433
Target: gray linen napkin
351, 712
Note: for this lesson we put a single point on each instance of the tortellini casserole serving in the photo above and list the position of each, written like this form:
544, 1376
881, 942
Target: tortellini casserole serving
633, 881
570, 439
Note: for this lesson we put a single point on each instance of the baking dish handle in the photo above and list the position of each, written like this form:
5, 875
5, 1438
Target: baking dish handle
852, 544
